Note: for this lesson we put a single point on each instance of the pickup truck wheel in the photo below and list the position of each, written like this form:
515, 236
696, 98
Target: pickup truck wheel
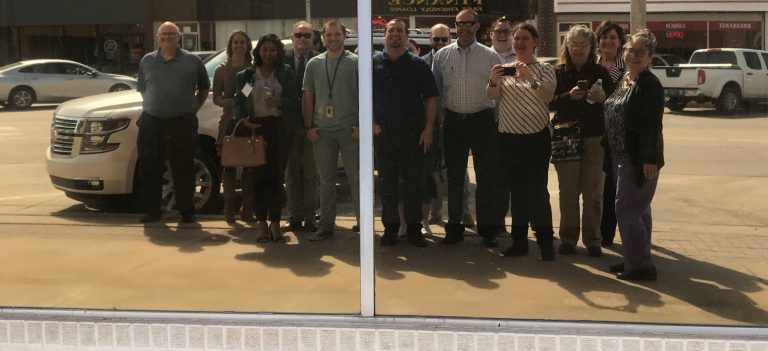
21, 97
729, 100
676, 104
206, 184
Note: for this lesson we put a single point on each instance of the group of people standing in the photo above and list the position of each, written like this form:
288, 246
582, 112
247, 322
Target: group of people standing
462, 97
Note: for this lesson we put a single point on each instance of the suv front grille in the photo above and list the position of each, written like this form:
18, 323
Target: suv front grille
63, 135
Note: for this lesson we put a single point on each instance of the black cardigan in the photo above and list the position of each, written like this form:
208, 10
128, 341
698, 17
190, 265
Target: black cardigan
644, 139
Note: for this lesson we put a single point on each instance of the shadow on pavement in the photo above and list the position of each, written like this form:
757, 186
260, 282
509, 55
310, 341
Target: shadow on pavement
44, 107
189, 238
302, 257
758, 112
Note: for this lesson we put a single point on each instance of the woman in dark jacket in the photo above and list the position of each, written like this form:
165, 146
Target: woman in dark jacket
269, 106
633, 126
583, 107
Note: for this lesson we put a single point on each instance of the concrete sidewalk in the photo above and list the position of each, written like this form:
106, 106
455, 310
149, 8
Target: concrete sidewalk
709, 274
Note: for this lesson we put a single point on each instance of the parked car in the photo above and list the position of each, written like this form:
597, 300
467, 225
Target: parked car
727, 77
27, 82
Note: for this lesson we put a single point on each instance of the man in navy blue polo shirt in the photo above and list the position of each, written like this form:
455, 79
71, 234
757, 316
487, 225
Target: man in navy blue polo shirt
173, 84
404, 110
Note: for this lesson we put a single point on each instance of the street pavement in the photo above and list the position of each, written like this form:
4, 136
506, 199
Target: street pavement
710, 241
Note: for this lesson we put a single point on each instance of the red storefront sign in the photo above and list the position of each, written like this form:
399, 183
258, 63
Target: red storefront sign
681, 25
737, 26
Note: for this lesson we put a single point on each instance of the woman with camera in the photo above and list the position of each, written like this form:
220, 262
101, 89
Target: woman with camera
522, 90
266, 101
579, 159
633, 128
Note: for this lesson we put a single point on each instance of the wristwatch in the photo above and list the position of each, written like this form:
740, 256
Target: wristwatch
536, 84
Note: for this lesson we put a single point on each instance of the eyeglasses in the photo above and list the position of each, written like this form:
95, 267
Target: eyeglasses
440, 39
637, 52
465, 23
502, 31
298, 35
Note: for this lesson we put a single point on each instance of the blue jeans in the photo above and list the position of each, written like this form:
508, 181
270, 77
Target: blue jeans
327, 150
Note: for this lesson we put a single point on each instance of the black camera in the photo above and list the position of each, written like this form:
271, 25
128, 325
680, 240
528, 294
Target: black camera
509, 71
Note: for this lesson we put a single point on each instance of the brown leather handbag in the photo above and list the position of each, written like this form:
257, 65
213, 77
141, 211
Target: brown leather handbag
243, 151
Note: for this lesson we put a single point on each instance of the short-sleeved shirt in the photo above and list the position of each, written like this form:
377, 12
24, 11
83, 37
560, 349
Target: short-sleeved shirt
461, 75
399, 89
344, 101
169, 87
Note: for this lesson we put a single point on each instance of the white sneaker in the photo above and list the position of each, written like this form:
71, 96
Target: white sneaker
425, 230
403, 231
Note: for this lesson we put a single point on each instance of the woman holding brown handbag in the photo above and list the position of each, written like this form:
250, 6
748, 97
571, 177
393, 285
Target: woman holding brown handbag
238, 58
266, 101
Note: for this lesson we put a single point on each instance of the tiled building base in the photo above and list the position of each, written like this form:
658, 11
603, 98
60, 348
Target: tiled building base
105, 331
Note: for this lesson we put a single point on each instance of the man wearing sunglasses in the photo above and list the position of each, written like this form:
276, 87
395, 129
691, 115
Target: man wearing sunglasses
301, 174
461, 71
439, 37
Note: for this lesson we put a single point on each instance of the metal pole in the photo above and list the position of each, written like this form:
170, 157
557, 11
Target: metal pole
308, 10
637, 15
365, 96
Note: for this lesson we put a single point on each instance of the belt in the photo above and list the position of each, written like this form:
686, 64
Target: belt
468, 115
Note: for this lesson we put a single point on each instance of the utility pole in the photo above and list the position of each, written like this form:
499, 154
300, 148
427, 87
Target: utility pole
308, 10
636, 15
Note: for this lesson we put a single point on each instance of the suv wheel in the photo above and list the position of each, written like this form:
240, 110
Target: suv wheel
206, 183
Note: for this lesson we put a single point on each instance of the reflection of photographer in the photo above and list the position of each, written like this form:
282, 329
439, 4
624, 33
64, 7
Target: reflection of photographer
577, 131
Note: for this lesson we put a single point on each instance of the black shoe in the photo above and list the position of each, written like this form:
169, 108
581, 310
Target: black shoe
309, 226
320, 236
150, 217
452, 239
388, 240
516, 250
617, 268
646, 274
607, 243
547, 253
230, 219
417, 240
188, 218
294, 226
567, 249
489, 240
594, 251
356, 228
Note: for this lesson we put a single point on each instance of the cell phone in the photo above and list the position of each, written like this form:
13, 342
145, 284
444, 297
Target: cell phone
509, 71
583, 84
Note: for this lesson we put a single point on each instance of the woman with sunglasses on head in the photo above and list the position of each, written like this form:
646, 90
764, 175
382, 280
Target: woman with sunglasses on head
633, 128
578, 108
610, 43
238, 59
271, 109
523, 97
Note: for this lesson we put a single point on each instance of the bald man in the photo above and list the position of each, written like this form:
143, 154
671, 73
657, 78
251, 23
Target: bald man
173, 84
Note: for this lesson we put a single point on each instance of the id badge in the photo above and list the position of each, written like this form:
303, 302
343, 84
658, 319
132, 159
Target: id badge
247, 88
328, 111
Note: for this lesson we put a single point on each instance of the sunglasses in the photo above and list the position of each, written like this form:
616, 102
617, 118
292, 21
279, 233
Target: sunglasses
465, 23
302, 35
440, 39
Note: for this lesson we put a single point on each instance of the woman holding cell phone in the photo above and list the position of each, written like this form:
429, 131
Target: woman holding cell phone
266, 101
578, 105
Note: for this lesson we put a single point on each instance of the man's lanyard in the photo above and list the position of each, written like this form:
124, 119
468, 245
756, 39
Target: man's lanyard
332, 82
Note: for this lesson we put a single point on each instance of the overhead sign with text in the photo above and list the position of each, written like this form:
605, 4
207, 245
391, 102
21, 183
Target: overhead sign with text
431, 7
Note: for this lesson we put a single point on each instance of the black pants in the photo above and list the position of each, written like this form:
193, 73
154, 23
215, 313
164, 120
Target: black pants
173, 139
263, 186
399, 156
608, 221
526, 164
476, 132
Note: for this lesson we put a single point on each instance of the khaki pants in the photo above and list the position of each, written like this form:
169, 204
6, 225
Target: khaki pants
582, 178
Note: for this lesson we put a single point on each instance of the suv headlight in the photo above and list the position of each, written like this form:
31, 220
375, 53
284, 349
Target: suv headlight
96, 134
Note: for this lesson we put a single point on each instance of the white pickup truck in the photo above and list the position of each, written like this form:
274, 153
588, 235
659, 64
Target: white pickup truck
726, 77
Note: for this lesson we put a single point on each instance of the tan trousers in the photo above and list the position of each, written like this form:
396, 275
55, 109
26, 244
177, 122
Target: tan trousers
582, 178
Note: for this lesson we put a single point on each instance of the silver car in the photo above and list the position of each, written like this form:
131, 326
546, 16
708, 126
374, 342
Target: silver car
27, 82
